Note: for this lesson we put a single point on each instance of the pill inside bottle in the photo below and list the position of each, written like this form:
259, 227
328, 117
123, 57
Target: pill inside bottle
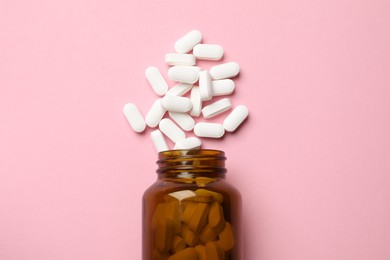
191, 211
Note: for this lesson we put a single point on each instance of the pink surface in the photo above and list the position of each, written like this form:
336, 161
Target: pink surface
312, 161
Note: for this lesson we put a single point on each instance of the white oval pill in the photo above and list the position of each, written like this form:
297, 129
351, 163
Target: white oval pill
196, 102
188, 143
158, 141
171, 130
199, 69
156, 112
210, 130
225, 70
176, 103
208, 51
188, 41
216, 108
180, 89
184, 120
180, 59
156, 80
205, 85
223, 87
134, 117
235, 118
187, 74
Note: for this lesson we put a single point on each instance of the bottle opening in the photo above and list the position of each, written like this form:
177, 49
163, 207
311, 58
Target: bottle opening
192, 162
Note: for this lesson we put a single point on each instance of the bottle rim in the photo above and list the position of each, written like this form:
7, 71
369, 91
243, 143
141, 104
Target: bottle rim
192, 160
182, 153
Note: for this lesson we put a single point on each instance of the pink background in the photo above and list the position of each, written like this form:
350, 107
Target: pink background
312, 161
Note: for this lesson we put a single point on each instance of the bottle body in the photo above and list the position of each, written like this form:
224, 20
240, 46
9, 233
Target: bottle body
191, 212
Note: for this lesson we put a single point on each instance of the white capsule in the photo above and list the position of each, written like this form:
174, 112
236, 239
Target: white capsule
188, 143
134, 117
225, 70
223, 87
196, 102
208, 51
235, 118
184, 120
180, 59
187, 74
205, 85
156, 112
171, 130
211, 130
199, 69
156, 80
176, 103
158, 141
188, 41
180, 89
216, 108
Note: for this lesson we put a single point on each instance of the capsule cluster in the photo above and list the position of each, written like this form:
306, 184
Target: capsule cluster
190, 225
190, 98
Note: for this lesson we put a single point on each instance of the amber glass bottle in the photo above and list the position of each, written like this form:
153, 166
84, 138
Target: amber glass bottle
191, 212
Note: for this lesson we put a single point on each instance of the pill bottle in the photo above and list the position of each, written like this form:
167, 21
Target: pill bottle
191, 212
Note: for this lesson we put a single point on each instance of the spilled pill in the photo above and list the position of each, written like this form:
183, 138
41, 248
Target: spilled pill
188, 41
180, 59
210, 130
184, 120
180, 89
205, 85
223, 87
186, 74
156, 112
208, 51
225, 70
188, 143
216, 108
156, 80
134, 117
176, 103
158, 141
197, 68
235, 118
171, 130
196, 102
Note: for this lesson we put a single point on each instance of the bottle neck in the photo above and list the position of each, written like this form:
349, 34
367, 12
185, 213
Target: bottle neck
191, 164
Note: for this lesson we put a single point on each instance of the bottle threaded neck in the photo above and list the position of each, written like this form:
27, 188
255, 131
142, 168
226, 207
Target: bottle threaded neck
195, 162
